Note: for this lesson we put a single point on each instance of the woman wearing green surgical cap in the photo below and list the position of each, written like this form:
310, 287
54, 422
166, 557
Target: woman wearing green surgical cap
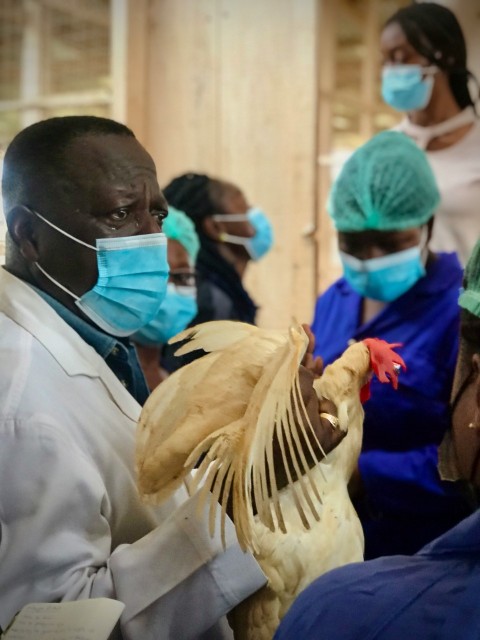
395, 288
180, 304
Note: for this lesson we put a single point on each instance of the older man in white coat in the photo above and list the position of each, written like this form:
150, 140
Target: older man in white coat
85, 268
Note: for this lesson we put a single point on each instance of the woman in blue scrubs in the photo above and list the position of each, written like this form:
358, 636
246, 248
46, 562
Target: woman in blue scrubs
395, 288
433, 594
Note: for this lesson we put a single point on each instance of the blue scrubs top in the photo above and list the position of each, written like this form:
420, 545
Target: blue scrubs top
406, 503
432, 595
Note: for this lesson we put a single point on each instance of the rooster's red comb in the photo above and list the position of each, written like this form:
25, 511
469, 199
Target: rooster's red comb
385, 362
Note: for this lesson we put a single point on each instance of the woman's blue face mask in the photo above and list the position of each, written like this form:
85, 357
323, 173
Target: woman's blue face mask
388, 277
132, 281
261, 243
407, 87
177, 311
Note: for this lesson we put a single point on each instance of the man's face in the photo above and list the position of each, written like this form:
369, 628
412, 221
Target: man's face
109, 189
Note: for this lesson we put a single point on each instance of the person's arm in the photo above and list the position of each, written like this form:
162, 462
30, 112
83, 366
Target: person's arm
56, 544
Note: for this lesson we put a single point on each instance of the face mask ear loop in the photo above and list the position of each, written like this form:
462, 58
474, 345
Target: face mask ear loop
423, 245
430, 70
471, 77
230, 217
64, 233
60, 286
227, 237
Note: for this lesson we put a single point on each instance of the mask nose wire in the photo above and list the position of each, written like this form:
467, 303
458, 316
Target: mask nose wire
64, 233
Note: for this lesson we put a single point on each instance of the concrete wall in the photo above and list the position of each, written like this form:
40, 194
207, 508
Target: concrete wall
230, 90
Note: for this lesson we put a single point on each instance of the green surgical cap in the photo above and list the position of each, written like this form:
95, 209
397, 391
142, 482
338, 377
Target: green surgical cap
178, 226
386, 184
470, 296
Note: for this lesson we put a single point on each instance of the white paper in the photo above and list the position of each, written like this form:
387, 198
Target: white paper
80, 620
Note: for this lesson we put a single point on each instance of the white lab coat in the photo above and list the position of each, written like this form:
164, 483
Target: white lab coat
72, 525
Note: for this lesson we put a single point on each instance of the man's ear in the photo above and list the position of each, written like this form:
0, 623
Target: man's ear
212, 228
21, 229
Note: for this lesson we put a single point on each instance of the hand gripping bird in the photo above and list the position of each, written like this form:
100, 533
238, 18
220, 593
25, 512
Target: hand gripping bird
240, 410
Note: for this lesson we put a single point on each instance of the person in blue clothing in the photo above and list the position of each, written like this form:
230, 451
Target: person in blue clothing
433, 594
394, 288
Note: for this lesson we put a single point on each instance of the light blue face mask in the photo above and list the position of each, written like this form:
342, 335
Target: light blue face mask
407, 87
385, 278
261, 242
177, 311
131, 285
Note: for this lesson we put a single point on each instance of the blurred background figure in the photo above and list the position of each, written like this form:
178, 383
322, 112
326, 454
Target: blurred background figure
395, 288
425, 74
180, 304
433, 594
232, 233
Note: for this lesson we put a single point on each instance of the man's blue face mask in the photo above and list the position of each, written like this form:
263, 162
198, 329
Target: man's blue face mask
386, 278
132, 281
262, 241
177, 311
407, 87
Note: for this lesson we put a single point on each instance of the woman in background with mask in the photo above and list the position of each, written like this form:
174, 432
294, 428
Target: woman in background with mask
395, 288
180, 304
425, 75
232, 233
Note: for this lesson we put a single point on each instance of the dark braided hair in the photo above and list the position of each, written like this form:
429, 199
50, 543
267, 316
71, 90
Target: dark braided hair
192, 193
35, 159
435, 33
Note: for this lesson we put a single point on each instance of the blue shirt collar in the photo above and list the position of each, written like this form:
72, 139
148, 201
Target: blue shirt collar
119, 354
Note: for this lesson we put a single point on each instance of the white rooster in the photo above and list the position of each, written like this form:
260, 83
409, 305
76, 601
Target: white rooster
232, 406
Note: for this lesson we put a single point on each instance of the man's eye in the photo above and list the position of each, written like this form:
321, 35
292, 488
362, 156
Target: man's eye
120, 215
159, 215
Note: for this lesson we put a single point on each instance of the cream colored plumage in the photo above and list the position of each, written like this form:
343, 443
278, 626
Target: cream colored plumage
229, 405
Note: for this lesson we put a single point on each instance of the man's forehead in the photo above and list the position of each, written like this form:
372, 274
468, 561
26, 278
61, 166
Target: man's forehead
108, 156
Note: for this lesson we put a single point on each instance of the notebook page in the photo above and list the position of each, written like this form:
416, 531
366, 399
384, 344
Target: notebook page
80, 620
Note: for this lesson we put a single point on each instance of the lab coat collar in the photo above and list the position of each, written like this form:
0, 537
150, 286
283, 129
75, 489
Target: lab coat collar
24, 306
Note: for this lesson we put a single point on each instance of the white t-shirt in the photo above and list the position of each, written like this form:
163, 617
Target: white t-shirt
457, 171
